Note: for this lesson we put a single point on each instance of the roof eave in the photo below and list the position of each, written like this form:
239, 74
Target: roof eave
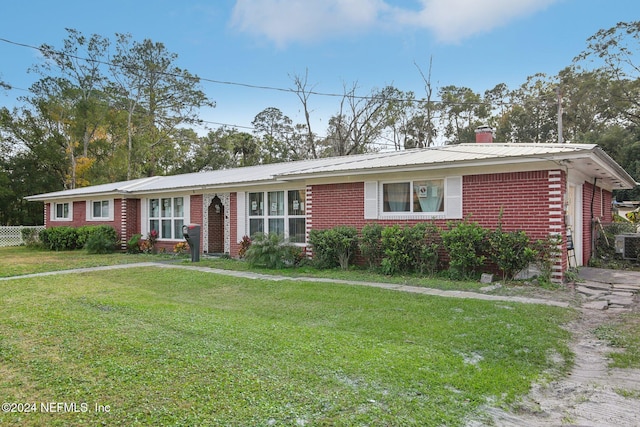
55, 196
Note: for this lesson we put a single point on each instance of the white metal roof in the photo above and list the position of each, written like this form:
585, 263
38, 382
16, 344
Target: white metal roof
584, 156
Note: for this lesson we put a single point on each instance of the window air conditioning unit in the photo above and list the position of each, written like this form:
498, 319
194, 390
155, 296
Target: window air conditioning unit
628, 245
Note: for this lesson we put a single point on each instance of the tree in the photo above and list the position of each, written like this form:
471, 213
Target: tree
70, 94
210, 152
615, 51
533, 114
31, 162
462, 112
303, 91
276, 132
586, 102
359, 122
244, 147
159, 98
422, 127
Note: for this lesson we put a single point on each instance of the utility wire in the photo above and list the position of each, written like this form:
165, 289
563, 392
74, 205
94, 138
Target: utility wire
264, 87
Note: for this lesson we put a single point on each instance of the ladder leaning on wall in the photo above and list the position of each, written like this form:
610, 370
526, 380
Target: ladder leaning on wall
571, 251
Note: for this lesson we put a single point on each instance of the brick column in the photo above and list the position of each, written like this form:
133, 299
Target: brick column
556, 222
308, 223
123, 224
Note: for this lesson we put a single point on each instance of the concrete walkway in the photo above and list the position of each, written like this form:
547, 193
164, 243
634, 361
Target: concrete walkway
604, 289
258, 276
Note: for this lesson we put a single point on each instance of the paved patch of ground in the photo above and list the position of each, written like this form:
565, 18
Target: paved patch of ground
592, 394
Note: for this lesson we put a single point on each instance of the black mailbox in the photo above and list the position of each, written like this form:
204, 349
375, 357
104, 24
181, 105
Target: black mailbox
191, 234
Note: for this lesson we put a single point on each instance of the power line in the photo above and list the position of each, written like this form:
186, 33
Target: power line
265, 87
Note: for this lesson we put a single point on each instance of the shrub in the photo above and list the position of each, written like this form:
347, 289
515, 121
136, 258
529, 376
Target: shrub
334, 247
510, 251
245, 243
466, 243
30, 236
546, 253
100, 243
97, 239
395, 246
181, 248
62, 238
271, 251
149, 245
408, 249
67, 238
426, 259
133, 245
370, 244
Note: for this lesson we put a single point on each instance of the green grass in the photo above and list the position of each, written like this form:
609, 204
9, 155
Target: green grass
624, 333
354, 273
19, 260
173, 347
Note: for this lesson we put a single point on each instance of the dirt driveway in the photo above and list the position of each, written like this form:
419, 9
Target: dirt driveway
593, 394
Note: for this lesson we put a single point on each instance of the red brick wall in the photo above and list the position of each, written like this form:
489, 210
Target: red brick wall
196, 215
522, 196
336, 204
130, 220
530, 201
234, 245
80, 217
601, 200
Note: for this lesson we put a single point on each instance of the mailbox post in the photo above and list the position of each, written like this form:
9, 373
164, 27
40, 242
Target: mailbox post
191, 234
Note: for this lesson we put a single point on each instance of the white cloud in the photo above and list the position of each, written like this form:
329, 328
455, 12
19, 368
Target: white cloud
286, 21
455, 20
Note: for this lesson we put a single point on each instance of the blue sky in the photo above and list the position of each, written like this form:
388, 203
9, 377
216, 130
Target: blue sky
374, 43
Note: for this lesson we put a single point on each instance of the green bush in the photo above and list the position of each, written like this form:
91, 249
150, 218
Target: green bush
100, 243
396, 248
430, 241
62, 238
86, 232
133, 245
510, 251
271, 251
410, 249
30, 236
334, 247
370, 244
67, 238
466, 245
546, 253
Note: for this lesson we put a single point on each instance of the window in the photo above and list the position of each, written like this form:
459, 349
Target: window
283, 214
61, 211
413, 197
295, 207
166, 216
100, 210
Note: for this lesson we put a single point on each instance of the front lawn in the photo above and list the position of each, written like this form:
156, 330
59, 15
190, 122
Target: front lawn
172, 347
19, 260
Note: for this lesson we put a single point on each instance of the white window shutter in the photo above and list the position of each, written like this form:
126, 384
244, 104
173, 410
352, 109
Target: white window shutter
371, 200
241, 199
453, 199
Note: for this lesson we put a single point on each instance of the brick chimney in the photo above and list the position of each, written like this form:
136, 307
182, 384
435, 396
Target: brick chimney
484, 134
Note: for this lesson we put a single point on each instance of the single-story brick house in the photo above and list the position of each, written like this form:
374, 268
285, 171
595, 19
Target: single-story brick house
541, 188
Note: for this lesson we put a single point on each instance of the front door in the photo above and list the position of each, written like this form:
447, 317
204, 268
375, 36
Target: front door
216, 226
